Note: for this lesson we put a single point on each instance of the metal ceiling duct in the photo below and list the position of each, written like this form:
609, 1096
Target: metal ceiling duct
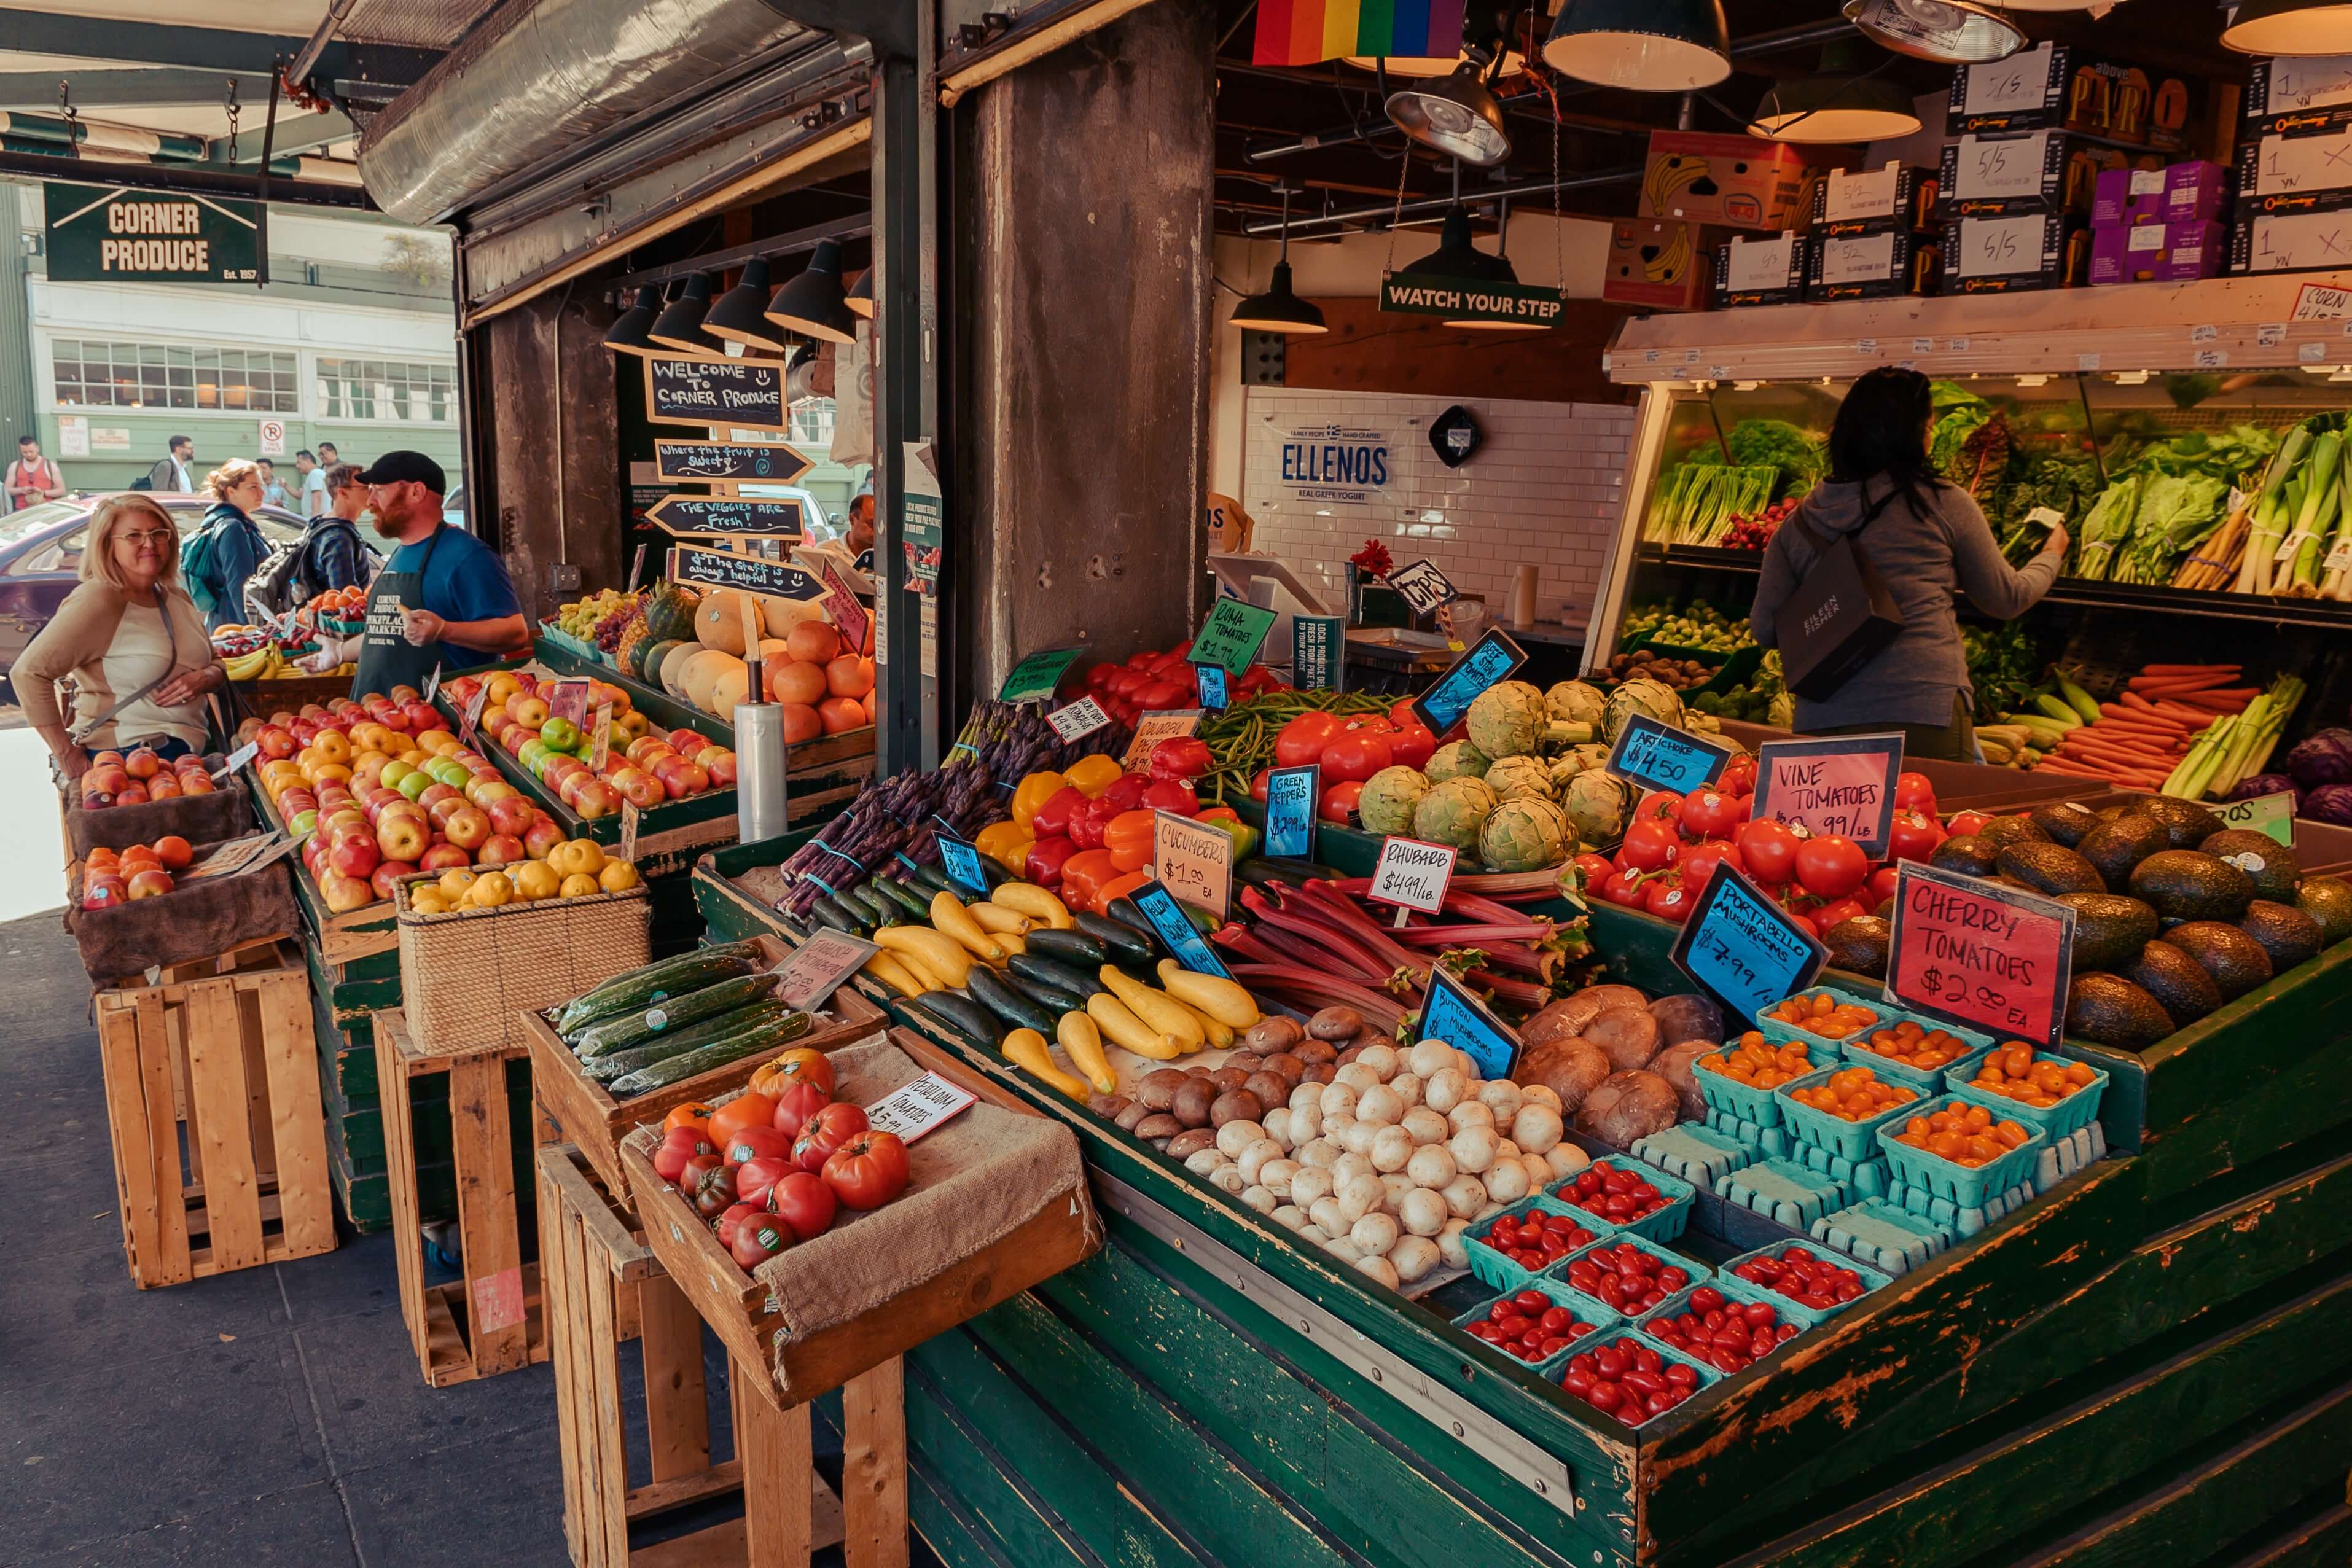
543, 77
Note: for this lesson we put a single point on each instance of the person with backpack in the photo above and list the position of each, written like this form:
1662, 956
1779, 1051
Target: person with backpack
224, 552
328, 555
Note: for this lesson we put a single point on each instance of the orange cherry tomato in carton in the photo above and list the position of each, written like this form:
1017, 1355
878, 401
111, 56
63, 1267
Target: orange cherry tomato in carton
869, 1170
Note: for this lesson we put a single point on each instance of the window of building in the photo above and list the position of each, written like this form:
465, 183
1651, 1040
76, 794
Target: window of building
150, 375
812, 428
387, 389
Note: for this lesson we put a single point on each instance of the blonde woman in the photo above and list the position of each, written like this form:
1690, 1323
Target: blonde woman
224, 552
130, 623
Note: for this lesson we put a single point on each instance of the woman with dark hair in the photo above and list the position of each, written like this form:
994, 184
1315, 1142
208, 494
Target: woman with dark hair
1925, 537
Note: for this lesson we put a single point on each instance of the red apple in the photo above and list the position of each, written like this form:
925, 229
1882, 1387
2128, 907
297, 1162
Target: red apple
511, 814
342, 892
355, 854
389, 875
636, 784
149, 883
689, 741
401, 837
276, 741
440, 812
542, 836
444, 857
468, 826
433, 794
722, 771
500, 848
593, 799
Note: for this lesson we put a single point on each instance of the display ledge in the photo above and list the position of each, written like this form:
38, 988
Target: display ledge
340, 938
2213, 606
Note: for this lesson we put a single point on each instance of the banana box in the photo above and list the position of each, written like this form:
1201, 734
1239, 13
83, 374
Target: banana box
1702, 177
1658, 265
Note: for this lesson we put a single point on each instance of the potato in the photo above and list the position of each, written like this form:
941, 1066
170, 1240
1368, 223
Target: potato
1335, 1023
1450, 1250
1191, 1105
1537, 1094
1254, 1159
1425, 1125
1413, 1257
1158, 1126
1423, 1212
1307, 1183
1508, 1182
1565, 1159
1318, 1153
1690, 1016
1158, 1087
1226, 1178
1444, 1090
1132, 1114
1328, 1213
1629, 1105
1674, 1065
1470, 1114
1357, 1076
1280, 1177
1272, 1034
1232, 1137
1236, 1105
1630, 1036
1569, 1069
1347, 1167
1277, 1126
1266, 1087
1501, 1096
1432, 1165
1382, 1106
1474, 1149
1375, 1233
1358, 1138
1535, 1129
1382, 1060
1308, 1097
1407, 1087
1360, 1196
1203, 1161
1261, 1199
1288, 1216
1190, 1142
1464, 1195
1430, 1058
1392, 1149
1379, 1268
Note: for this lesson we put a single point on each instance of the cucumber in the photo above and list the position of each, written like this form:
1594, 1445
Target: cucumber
1052, 999
1076, 948
931, 879
830, 911
763, 1014
734, 1048
640, 989
632, 1030
1040, 970
900, 893
1125, 944
991, 990
877, 910
957, 1016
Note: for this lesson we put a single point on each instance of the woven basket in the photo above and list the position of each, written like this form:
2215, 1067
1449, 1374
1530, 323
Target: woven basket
464, 975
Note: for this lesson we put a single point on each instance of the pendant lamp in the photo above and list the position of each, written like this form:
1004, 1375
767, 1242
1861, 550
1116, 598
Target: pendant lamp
1839, 103
812, 303
1457, 256
2290, 28
1278, 309
1950, 32
679, 326
1456, 115
1649, 46
738, 317
631, 333
860, 298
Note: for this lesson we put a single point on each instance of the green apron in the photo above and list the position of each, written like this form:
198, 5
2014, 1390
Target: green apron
387, 658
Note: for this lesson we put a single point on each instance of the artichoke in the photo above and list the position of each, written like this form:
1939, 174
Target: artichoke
1651, 699
1457, 759
1574, 702
1387, 804
1782, 714
1597, 803
1509, 718
1453, 812
1577, 759
1520, 777
1524, 835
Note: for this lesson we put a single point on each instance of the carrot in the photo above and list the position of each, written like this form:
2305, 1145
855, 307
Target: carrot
2144, 714
2168, 734
2187, 669
2178, 711
2117, 752
2234, 695
2179, 687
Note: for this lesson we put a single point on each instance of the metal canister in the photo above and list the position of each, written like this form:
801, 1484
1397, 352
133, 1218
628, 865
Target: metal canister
760, 809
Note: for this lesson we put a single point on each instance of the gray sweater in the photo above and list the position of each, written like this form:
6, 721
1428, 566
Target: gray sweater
1921, 558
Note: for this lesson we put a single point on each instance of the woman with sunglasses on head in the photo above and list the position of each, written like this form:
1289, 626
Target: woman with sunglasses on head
129, 623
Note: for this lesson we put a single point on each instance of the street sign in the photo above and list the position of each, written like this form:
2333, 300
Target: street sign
708, 516
728, 461
273, 438
100, 233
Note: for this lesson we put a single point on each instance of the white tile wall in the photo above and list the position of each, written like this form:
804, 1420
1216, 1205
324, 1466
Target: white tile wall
1543, 488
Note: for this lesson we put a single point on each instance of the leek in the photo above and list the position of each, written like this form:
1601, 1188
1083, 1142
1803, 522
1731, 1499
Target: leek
2270, 513
2321, 497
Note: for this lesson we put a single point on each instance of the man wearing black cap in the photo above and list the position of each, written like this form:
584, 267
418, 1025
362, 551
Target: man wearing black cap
443, 598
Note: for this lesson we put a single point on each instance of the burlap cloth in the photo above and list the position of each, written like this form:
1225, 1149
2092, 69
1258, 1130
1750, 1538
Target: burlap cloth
225, 813
975, 1180
199, 919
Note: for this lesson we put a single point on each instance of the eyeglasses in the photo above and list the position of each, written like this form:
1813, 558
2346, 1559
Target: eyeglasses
134, 537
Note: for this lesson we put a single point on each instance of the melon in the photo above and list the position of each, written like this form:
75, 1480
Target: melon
669, 614
701, 672
727, 691
673, 668
784, 614
719, 619
649, 662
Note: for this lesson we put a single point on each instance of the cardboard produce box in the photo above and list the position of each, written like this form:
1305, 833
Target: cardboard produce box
2291, 242
2034, 172
1871, 266
1659, 265
2295, 173
2297, 96
1873, 201
1737, 181
1768, 271
2008, 255
2156, 252
2056, 86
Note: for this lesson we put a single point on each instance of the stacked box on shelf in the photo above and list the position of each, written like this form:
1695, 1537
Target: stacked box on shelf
2159, 226
1769, 269
1865, 242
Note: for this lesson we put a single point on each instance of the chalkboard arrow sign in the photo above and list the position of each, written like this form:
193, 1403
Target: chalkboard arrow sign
705, 517
745, 394
712, 569
729, 462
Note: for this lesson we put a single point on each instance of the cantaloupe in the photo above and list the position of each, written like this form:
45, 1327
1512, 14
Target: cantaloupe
784, 614
701, 672
673, 667
727, 691
719, 619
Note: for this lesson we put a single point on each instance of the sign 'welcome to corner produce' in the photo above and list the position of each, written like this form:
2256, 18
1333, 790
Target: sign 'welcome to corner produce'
99, 233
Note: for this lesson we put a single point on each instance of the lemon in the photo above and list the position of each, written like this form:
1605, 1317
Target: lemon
457, 880
579, 884
490, 890
536, 879
429, 901
618, 876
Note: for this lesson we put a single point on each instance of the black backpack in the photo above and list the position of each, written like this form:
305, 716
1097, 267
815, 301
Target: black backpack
286, 576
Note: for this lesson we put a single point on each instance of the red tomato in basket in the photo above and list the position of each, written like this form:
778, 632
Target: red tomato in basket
869, 1170
825, 1131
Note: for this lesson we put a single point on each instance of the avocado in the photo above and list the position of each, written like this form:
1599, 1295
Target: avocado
2111, 1010
1885, 910
2120, 843
2236, 961
2189, 823
1971, 854
2109, 929
1860, 944
2049, 869
2271, 864
2178, 982
2064, 821
2181, 885
2002, 832
2328, 900
2288, 934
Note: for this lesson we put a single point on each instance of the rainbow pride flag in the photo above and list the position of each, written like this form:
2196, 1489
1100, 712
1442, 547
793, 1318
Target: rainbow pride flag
1303, 32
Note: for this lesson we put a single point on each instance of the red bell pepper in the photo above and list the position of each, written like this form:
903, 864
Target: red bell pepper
1128, 790
1086, 826
1053, 818
1181, 758
1045, 860
1172, 795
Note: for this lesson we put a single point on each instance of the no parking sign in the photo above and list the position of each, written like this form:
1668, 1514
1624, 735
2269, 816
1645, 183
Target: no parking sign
273, 438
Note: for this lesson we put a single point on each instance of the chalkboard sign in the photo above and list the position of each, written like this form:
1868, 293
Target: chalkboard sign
712, 569
1423, 586
1982, 954
1291, 796
1655, 756
1175, 929
1232, 634
729, 462
1491, 659
698, 517
748, 394
958, 859
1743, 948
1459, 1019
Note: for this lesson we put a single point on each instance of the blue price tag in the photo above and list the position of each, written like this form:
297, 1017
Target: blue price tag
1213, 685
1490, 660
1457, 1017
1744, 948
1654, 757
1318, 652
1291, 796
960, 861
1171, 924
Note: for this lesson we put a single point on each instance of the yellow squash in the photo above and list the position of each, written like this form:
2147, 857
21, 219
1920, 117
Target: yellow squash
949, 915
887, 969
1033, 902
943, 960
1128, 1030
1210, 994
1027, 1048
1083, 1042
1157, 1009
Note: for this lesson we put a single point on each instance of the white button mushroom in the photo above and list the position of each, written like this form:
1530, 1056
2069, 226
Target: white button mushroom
1380, 1269
1289, 1216
1319, 1152
1280, 1177
1347, 1251
1307, 1184
1408, 1088
1338, 1098
1347, 1167
1357, 1077
1391, 1150
1450, 1249
1227, 1178
1308, 1096
1464, 1195
1425, 1125
1540, 1094
1262, 1200
1277, 1127
1394, 1185
1380, 1060
1474, 1149
1327, 1213
1501, 1096
1336, 1127
1565, 1160
1444, 1090
1536, 1128
1305, 1126
1430, 1058
1358, 1139
1412, 1258
1360, 1196
1508, 1182
1253, 1160
1202, 1161
1423, 1212
1314, 1233
1375, 1234
1432, 1165
1236, 1135
1469, 1113
1382, 1105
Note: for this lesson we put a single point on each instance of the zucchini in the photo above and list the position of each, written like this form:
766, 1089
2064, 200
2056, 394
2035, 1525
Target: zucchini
640, 989
876, 909
992, 992
1052, 999
963, 1016
931, 879
615, 1064
750, 1041
1040, 970
1125, 944
632, 1030
1081, 952
900, 893
830, 911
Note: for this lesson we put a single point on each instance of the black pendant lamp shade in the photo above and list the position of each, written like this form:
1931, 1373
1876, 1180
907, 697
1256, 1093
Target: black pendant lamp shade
1650, 46
679, 326
739, 315
1454, 115
1455, 256
1950, 32
1278, 309
2290, 28
1841, 103
860, 299
812, 303
631, 334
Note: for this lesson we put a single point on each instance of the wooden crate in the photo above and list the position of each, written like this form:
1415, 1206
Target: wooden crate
224, 1047
583, 1113
592, 1262
488, 1320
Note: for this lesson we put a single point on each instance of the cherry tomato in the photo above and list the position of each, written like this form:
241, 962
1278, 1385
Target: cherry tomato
1302, 740
1831, 865
1712, 814
1662, 805
1881, 885
1914, 835
1768, 849
1624, 888
1698, 862
1355, 754
1668, 899
1411, 744
1738, 776
1913, 792
1966, 822
869, 1170
1650, 842
1339, 802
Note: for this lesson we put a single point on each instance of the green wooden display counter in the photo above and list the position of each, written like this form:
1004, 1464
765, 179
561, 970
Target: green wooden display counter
2148, 1364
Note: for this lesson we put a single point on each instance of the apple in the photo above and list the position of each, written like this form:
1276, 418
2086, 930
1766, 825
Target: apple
389, 875
647, 747
355, 855
299, 824
722, 771
276, 741
343, 892
529, 712
560, 767
461, 688
500, 848
636, 784
593, 799
442, 857
689, 741
433, 794
468, 826
440, 812
561, 734
510, 813
400, 838
542, 836
149, 883
422, 716
415, 782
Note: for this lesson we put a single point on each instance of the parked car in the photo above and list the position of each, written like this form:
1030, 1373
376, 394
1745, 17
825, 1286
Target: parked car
40, 559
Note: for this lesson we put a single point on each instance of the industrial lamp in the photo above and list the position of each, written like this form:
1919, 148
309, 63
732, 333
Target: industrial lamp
679, 326
860, 298
2289, 27
738, 317
1456, 115
812, 303
1839, 103
1278, 309
631, 333
1650, 46
1950, 32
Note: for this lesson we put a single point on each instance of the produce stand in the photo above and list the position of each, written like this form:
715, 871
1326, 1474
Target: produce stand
289, 694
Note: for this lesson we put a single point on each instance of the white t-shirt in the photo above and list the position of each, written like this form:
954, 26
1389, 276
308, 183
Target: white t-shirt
314, 493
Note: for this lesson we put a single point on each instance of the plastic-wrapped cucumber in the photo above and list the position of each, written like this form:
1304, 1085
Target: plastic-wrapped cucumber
718, 1053
640, 989
758, 1016
632, 1030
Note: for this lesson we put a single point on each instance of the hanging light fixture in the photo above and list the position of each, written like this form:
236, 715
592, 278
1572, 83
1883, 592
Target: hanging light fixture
1278, 309
1456, 115
738, 317
1841, 102
679, 326
2290, 28
860, 298
631, 333
1950, 32
1650, 46
812, 303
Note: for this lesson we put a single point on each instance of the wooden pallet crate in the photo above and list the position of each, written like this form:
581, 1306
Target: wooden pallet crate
223, 1049
488, 1320
593, 1263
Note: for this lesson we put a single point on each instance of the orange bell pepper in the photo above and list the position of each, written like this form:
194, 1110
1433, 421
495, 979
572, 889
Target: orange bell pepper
1034, 790
1084, 875
1128, 838
1120, 886
1091, 775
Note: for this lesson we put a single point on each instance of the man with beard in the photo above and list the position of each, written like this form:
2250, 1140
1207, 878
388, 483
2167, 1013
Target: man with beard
443, 599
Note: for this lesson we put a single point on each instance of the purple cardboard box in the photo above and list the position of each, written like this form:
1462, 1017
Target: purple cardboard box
2126, 196
2196, 193
2156, 252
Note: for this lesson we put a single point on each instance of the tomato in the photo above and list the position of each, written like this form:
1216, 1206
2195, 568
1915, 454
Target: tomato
1881, 885
757, 1143
1768, 849
1711, 813
1738, 776
795, 1105
746, 1110
693, 1114
714, 1190
803, 1203
1830, 865
1913, 792
1663, 805
1356, 754
679, 1144
1400, 713
732, 1220
1966, 822
824, 1133
1650, 842
1338, 803
1914, 835
1155, 696
1833, 913
795, 1066
869, 1170
1412, 746
1591, 870
1302, 740
1697, 863
1129, 681
1624, 888
754, 1179
1669, 899
756, 1242
1257, 785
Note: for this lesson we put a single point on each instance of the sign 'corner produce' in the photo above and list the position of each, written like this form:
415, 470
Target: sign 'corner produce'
98, 233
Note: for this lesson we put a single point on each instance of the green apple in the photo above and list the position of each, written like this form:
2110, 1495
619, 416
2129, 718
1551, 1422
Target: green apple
415, 782
561, 735
393, 772
302, 823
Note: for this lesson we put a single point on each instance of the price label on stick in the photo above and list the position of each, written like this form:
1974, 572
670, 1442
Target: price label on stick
848, 611
1176, 931
1213, 696
959, 860
1078, 720
924, 1106
237, 758
1424, 587
1195, 860
569, 700
1291, 796
600, 745
1037, 677
1411, 875
1453, 1015
1654, 757
1232, 634
1744, 948
812, 971
433, 683
2271, 814
1844, 786
469, 718
1172, 724
1491, 659
1988, 956
629, 818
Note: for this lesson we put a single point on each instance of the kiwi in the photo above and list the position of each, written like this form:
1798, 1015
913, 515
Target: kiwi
2178, 982
2288, 934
